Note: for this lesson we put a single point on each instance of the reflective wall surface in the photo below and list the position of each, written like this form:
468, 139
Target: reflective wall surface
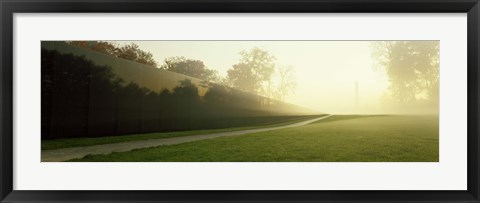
87, 93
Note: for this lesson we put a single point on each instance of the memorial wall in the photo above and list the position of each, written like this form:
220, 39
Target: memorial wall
90, 94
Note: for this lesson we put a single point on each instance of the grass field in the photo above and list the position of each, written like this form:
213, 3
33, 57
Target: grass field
388, 138
78, 142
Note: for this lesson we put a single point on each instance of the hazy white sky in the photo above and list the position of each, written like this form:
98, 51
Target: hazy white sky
326, 71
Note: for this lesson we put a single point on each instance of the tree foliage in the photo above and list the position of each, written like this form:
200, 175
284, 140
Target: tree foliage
129, 51
241, 77
255, 68
412, 68
190, 67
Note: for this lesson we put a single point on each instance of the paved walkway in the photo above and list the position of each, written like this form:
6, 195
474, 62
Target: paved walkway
57, 155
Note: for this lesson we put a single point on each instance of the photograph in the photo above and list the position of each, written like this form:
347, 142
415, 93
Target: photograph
240, 101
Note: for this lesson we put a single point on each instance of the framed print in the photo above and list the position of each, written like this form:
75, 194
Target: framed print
265, 101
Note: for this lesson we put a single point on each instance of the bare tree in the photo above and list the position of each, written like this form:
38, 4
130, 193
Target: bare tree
287, 83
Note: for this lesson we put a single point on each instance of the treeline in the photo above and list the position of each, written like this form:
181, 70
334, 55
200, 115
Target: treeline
81, 98
253, 73
129, 51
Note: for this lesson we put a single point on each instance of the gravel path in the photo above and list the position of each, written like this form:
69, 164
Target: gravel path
57, 155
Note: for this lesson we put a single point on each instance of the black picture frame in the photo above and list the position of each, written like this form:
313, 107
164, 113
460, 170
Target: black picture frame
10, 7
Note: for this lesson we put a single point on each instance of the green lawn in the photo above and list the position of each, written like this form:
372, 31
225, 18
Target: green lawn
338, 138
86, 141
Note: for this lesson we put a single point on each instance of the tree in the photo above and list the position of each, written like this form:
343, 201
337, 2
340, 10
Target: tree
412, 68
190, 67
130, 51
287, 82
242, 77
255, 68
100, 46
186, 91
187, 101
217, 96
134, 53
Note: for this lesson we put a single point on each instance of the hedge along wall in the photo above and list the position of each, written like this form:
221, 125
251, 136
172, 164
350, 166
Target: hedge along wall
87, 93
